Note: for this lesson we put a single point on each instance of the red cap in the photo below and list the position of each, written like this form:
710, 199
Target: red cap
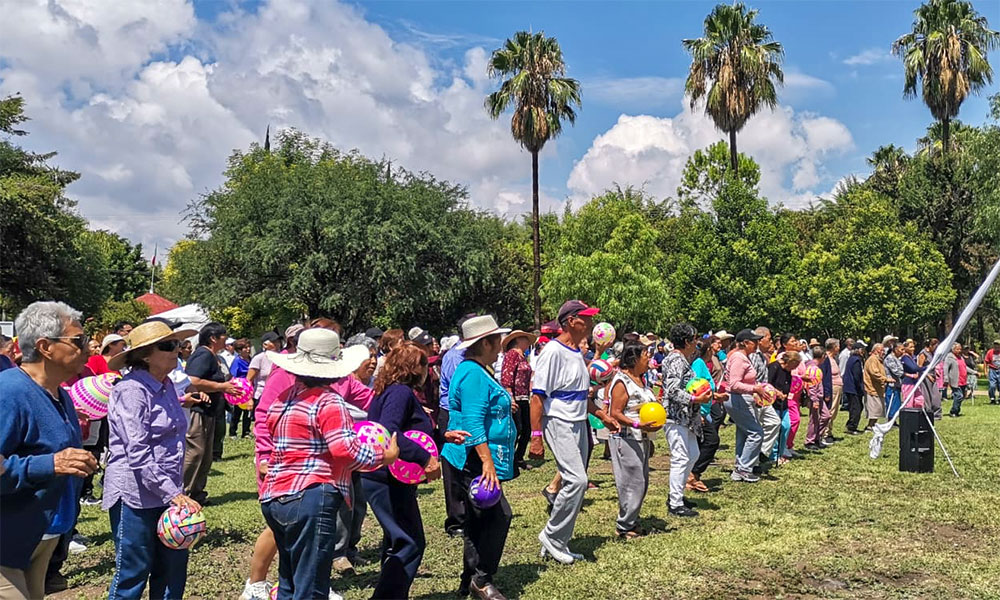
573, 308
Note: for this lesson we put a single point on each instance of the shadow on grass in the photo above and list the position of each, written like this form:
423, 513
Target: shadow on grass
587, 545
231, 497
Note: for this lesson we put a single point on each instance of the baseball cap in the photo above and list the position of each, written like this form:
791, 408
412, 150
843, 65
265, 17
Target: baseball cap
230, 340
575, 308
996, 342
859, 345
374, 333
552, 327
747, 335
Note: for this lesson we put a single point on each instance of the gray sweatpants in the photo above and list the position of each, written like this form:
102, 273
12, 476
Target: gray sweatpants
630, 465
771, 423
349, 521
568, 442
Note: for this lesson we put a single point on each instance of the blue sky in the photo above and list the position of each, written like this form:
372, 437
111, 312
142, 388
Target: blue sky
148, 98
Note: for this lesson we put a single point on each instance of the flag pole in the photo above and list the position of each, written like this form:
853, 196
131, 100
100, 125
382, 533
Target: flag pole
152, 269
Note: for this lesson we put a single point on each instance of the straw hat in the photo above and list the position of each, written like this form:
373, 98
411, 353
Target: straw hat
320, 355
513, 335
477, 328
145, 335
722, 334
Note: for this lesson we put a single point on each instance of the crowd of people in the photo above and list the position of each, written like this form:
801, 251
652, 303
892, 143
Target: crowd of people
490, 398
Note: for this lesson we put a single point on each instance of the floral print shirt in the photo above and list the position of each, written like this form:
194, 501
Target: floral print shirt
677, 373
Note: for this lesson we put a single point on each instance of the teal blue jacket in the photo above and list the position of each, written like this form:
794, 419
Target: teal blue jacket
480, 406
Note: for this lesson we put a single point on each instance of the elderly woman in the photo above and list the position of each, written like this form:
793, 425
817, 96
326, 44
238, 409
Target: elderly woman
683, 414
309, 473
43, 463
740, 380
145, 463
629, 447
911, 372
515, 377
874, 381
894, 351
480, 415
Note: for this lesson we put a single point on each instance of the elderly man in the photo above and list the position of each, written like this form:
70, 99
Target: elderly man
766, 415
854, 385
992, 359
956, 377
874, 381
832, 346
40, 438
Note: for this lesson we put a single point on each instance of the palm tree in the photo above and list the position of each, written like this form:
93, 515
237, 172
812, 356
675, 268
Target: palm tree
888, 159
946, 52
741, 62
533, 73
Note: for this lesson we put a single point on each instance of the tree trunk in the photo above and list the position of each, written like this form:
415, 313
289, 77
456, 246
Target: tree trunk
734, 160
945, 134
536, 242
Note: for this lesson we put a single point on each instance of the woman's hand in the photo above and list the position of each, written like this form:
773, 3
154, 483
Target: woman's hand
535, 448
721, 397
391, 453
489, 477
649, 426
182, 501
703, 397
192, 398
456, 436
432, 469
612, 425
262, 467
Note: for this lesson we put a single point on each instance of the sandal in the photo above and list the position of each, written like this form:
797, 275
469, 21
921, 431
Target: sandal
629, 535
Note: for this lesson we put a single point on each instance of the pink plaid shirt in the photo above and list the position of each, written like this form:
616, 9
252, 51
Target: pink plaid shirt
314, 443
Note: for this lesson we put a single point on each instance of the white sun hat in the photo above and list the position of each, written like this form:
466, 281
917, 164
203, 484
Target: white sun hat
321, 355
477, 328
722, 334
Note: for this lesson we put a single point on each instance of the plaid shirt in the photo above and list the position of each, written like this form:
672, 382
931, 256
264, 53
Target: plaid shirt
314, 442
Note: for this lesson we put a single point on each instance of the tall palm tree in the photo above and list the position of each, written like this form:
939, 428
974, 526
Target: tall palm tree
741, 61
946, 52
532, 71
889, 158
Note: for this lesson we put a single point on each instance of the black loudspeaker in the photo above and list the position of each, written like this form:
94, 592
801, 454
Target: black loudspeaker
916, 441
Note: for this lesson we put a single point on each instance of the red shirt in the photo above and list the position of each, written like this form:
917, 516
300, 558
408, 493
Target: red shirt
98, 365
963, 372
314, 443
516, 373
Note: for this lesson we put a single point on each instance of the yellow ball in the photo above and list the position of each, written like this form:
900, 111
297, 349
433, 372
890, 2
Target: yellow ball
653, 413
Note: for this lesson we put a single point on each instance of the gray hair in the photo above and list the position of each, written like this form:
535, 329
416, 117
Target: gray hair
42, 320
361, 340
832, 343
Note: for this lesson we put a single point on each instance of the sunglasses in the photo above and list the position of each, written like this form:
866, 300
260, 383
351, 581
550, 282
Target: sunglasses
80, 341
168, 345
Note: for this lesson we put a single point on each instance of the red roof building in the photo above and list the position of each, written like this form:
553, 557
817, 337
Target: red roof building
156, 303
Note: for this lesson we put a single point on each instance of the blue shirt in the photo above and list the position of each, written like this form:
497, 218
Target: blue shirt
449, 362
398, 409
239, 367
34, 427
480, 406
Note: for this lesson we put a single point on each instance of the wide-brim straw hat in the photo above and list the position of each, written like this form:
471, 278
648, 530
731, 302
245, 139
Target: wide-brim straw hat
477, 328
148, 334
320, 355
513, 335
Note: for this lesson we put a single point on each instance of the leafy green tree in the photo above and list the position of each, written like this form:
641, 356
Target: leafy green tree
946, 54
43, 256
114, 311
128, 269
735, 67
533, 71
705, 172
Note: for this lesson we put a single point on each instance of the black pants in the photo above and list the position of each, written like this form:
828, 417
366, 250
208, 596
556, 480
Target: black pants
394, 504
220, 436
238, 415
708, 443
485, 529
454, 492
854, 406
522, 420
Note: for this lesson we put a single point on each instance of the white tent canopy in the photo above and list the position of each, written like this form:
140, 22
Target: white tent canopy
191, 315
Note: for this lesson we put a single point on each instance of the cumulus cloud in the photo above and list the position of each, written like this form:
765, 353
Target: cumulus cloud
148, 103
651, 152
870, 56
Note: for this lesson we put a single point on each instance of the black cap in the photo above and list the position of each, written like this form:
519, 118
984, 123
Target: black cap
270, 336
572, 308
423, 338
747, 335
374, 333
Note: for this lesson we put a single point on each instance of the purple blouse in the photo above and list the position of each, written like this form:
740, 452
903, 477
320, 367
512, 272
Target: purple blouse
145, 443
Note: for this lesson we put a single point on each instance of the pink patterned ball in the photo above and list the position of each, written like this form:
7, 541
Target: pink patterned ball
409, 472
90, 395
245, 393
374, 434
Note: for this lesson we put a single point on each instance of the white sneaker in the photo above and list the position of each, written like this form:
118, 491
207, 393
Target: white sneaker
76, 547
260, 590
548, 548
335, 596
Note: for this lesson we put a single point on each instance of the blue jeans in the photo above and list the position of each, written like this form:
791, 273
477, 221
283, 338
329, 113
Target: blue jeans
786, 426
957, 395
394, 504
994, 379
749, 433
893, 400
141, 556
305, 529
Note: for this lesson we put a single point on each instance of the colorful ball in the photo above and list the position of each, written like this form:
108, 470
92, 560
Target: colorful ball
697, 386
601, 371
653, 413
409, 472
604, 334
595, 422
274, 592
768, 397
481, 496
90, 395
244, 394
373, 434
179, 529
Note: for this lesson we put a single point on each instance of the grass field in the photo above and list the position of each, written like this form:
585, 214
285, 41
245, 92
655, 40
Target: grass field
833, 525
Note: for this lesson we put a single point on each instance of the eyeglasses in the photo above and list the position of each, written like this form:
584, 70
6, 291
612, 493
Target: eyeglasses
168, 345
80, 341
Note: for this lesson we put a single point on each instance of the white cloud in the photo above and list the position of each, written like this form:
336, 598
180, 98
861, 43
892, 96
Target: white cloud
626, 92
800, 84
150, 133
651, 152
870, 56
